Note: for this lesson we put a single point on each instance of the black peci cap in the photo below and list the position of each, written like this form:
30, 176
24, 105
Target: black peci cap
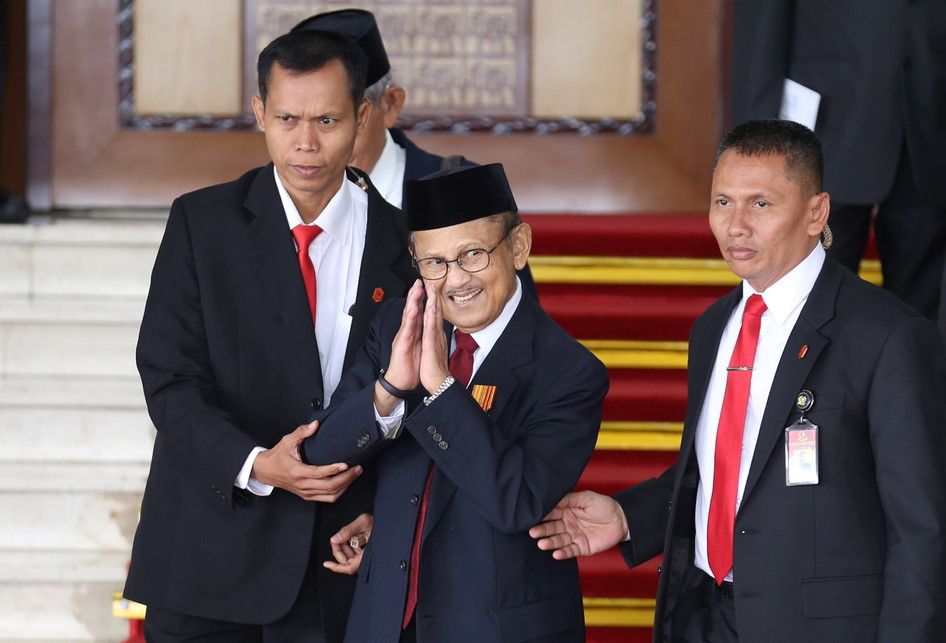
457, 195
358, 26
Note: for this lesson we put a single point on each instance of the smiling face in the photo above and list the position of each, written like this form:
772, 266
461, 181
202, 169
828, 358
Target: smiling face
764, 222
310, 124
472, 301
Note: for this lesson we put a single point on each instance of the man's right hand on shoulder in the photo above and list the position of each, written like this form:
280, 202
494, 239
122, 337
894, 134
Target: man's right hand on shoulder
581, 524
282, 467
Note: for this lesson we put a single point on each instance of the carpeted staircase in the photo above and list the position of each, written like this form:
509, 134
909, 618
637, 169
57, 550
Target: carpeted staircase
629, 287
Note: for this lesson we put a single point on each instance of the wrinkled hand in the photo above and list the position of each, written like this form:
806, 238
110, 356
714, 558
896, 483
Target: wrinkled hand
403, 370
347, 556
434, 365
581, 524
282, 467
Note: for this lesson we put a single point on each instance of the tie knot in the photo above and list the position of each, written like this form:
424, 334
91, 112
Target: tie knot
465, 342
304, 235
755, 306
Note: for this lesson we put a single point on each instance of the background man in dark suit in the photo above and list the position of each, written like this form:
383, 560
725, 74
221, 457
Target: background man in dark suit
262, 292
764, 536
382, 150
880, 67
472, 450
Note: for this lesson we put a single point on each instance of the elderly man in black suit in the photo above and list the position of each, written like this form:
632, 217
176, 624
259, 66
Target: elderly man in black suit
262, 293
470, 450
808, 502
880, 69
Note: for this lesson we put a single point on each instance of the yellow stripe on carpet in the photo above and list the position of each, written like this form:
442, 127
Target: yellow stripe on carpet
619, 612
619, 353
639, 436
669, 271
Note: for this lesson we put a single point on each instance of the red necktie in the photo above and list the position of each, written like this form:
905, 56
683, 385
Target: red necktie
304, 236
461, 367
732, 422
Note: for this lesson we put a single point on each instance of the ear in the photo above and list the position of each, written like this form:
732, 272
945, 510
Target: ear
364, 112
819, 207
393, 102
521, 245
259, 110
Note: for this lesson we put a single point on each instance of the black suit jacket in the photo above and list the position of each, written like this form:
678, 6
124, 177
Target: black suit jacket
861, 556
880, 66
497, 473
228, 360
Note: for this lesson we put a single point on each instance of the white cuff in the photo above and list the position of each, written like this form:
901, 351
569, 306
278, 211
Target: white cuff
390, 423
245, 480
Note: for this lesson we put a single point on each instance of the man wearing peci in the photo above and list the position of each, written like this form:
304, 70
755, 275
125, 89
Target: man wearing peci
808, 502
470, 450
381, 149
261, 294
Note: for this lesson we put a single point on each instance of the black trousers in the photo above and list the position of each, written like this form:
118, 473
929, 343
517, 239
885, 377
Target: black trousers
703, 613
302, 624
911, 240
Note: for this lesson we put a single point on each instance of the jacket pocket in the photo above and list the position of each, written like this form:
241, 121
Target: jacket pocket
542, 618
843, 596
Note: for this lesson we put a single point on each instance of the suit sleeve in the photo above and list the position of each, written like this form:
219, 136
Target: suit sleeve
173, 361
647, 509
908, 437
348, 430
762, 35
515, 480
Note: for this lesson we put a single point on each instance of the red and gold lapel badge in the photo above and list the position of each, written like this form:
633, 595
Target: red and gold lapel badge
377, 295
484, 394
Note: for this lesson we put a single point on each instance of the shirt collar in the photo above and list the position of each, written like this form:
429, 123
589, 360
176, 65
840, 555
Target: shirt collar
334, 217
487, 337
385, 170
784, 296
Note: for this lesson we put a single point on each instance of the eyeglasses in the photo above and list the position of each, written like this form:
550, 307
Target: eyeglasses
474, 260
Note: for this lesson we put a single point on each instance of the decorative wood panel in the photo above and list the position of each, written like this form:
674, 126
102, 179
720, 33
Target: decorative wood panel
95, 162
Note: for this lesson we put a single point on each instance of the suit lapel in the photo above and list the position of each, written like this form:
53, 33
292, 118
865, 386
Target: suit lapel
508, 364
272, 252
385, 268
793, 371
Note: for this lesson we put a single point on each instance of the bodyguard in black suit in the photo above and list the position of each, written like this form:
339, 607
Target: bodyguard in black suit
880, 67
465, 464
840, 540
230, 363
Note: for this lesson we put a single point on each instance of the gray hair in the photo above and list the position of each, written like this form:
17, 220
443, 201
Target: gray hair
375, 90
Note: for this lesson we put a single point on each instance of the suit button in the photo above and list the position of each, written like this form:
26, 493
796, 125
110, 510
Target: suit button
315, 404
362, 441
907, 63
437, 437
443, 445
414, 498
403, 565
431, 430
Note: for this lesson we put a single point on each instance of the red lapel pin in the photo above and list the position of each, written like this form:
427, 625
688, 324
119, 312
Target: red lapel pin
377, 295
803, 351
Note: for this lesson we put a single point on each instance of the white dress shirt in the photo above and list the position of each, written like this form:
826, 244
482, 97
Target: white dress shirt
485, 340
784, 300
388, 173
336, 254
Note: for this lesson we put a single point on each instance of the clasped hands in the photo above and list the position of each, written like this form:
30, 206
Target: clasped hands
419, 350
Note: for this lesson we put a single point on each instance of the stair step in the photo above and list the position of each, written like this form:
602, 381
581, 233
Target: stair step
45, 392
59, 612
611, 471
69, 338
620, 316
78, 258
73, 477
75, 435
65, 566
646, 394
606, 574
